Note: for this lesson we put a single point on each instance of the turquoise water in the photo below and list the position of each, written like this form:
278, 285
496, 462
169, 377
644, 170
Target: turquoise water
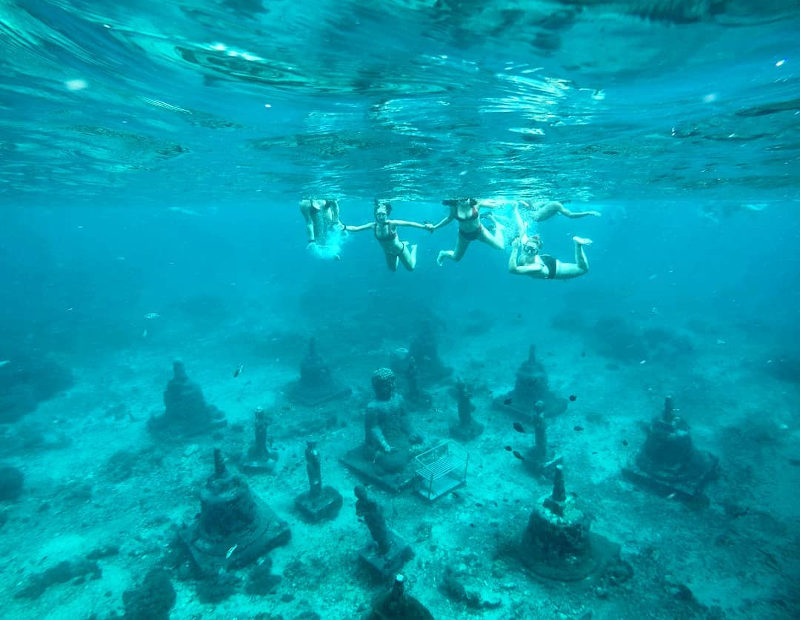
406, 100
153, 157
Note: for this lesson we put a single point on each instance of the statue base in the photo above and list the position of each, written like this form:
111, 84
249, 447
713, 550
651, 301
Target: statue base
466, 432
367, 470
324, 506
237, 549
386, 566
264, 464
686, 485
570, 568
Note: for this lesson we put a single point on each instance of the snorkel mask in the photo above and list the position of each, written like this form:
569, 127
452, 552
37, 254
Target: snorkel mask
531, 245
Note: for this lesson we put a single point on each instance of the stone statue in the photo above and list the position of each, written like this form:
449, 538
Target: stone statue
259, 457
313, 469
368, 510
234, 527
186, 412
669, 463
319, 502
397, 603
389, 551
388, 435
530, 388
316, 384
467, 427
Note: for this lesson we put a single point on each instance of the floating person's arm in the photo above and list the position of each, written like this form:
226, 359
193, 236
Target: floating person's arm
522, 270
425, 226
450, 217
359, 228
525, 269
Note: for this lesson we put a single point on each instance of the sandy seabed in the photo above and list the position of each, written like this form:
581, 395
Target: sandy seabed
738, 557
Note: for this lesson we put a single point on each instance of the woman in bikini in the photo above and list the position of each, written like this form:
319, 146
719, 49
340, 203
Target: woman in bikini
386, 233
466, 211
527, 260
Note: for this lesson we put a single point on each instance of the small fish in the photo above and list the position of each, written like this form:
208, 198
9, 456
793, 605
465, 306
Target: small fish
230, 552
518, 427
4, 363
152, 315
508, 448
166, 106
238, 370
572, 398
519, 456
624, 442
507, 401
671, 496
577, 427
144, 334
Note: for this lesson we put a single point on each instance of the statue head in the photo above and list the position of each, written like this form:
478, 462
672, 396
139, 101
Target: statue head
179, 370
383, 383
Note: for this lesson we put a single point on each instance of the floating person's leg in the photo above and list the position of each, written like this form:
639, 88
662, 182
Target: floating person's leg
457, 254
494, 239
409, 256
391, 261
573, 214
580, 256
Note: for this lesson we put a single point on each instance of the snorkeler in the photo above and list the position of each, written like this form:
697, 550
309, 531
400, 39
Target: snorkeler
321, 217
386, 233
541, 211
466, 211
526, 259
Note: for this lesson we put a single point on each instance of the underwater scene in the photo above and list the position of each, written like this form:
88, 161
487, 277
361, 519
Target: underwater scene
401, 309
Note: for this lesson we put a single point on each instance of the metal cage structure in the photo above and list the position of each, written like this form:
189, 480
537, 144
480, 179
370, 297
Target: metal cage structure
440, 470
